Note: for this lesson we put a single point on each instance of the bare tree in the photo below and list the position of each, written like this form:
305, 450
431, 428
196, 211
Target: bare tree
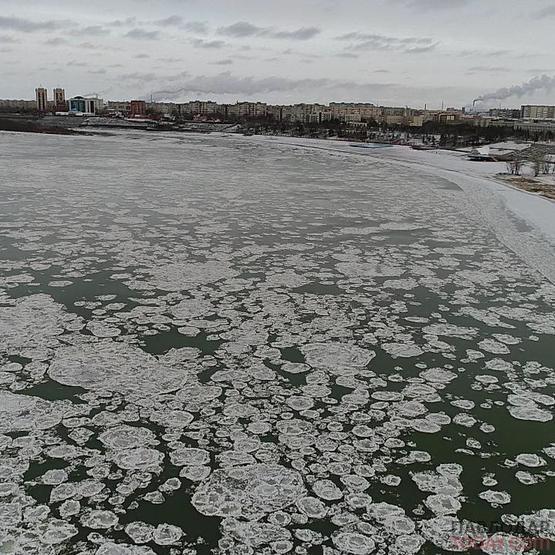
514, 166
539, 163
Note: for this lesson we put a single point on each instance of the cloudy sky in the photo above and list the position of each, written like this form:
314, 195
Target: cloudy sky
383, 51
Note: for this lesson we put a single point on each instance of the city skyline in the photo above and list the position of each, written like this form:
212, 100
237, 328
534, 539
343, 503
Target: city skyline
401, 52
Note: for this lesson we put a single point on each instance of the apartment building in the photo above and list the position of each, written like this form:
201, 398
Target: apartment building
41, 96
541, 112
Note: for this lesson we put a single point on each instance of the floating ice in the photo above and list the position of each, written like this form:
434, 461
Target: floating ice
20, 413
495, 347
33, 321
312, 507
111, 548
338, 358
167, 534
327, 490
530, 459
353, 542
541, 523
189, 456
187, 275
141, 458
126, 437
528, 412
255, 534
406, 350
100, 329
368, 269
448, 533
248, 491
495, 497
504, 544
98, 519
139, 532
438, 375
114, 367
442, 504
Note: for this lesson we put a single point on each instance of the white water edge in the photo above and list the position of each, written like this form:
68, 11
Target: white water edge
524, 222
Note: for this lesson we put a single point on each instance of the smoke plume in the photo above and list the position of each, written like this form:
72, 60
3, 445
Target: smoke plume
542, 82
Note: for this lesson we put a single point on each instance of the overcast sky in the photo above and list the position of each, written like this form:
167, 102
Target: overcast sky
283, 51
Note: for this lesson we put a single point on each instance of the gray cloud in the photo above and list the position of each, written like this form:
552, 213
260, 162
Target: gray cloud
434, 5
6, 39
227, 83
347, 55
224, 62
488, 69
90, 46
209, 44
94, 30
170, 60
171, 21
548, 11
374, 41
57, 41
122, 22
243, 29
142, 34
489, 53
28, 26
303, 33
138, 76
200, 27
540, 70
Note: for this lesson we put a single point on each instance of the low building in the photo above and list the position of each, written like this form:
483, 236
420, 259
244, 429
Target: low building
87, 106
247, 110
507, 113
137, 109
118, 107
200, 108
163, 108
536, 126
11, 106
354, 111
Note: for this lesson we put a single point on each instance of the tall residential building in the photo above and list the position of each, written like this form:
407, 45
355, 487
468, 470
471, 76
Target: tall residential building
60, 100
41, 95
537, 112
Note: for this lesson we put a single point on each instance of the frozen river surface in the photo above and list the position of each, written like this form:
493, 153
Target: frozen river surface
219, 345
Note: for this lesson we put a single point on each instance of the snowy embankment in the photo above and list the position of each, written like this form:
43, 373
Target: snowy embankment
523, 221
